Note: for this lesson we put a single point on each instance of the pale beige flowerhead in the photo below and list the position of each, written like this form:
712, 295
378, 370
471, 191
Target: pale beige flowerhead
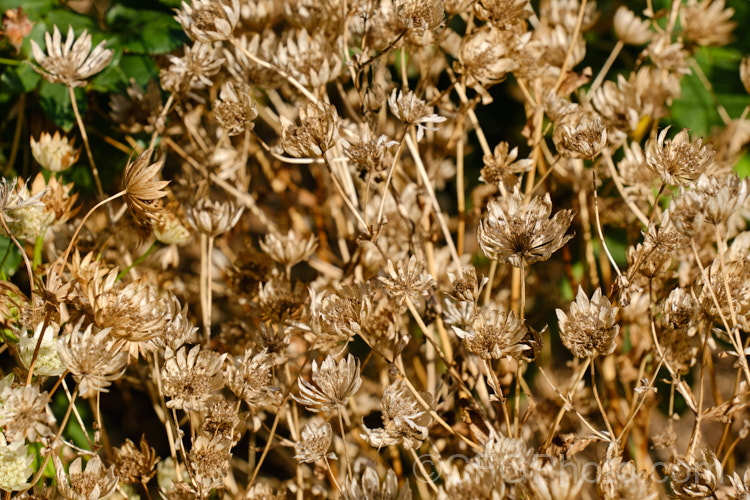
696, 476
73, 62
25, 413
708, 22
54, 152
580, 135
630, 28
494, 334
288, 249
209, 21
517, 233
213, 218
48, 361
234, 110
333, 383
92, 483
678, 160
412, 110
314, 443
315, 134
553, 481
407, 280
142, 190
192, 378
405, 420
15, 464
590, 328
419, 15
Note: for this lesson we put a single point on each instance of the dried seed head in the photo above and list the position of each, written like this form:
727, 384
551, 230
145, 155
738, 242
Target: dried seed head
70, 63
209, 21
25, 413
722, 196
209, 462
467, 288
502, 166
494, 335
590, 328
678, 160
707, 22
142, 190
508, 458
696, 477
192, 378
91, 359
668, 55
213, 218
222, 421
234, 110
405, 421
504, 14
580, 135
332, 384
630, 28
517, 233
553, 481
368, 154
26, 215
621, 108
168, 229
16, 26
622, 481
686, 212
679, 309
15, 465
369, 487
412, 110
192, 71
251, 379
734, 276
309, 58
486, 56
407, 281
54, 152
85, 484
288, 249
315, 134
138, 110
133, 464
419, 15
314, 444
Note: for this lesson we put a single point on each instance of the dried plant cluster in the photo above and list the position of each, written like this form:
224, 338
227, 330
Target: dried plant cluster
320, 278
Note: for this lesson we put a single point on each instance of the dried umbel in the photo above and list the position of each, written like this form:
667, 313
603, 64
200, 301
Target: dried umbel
16, 26
192, 377
288, 249
518, 233
71, 63
92, 359
486, 56
314, 444
494, 334
369, 487
193, 70
367, 154
309, 58
142, 190
468, 287
507, 458
554, 481
503, 14
135, 464
722, 196
472, 483
707, 22
580, 135
25, 413
679, 309
696, 477
15, 465
54, 152
315, 134
419, 15
26, 215
251, 379
168, 228
631, 29
234, 110
139, 109
622, 481
405, 420
589, 329
92, 483
209, 21
503, 165
731, 288
407, 281
412, 110
686, 212
209, 462
678, 160
333, 383
213, 218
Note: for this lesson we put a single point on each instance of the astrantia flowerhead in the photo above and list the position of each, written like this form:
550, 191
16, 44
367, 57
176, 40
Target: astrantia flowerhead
515, 233
54, 152
332, 384
678, 160
590, 328
73, 62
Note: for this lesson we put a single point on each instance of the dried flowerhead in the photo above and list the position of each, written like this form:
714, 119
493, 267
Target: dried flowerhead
678, 160
16, 26
315, 134
631, 29
552, 481
72, 63
288, 249
419, 15
142, 190
92, 359
369, 487
48, 361
412, 110
407, 281
251, 379
405, 420
502, 166
25, 413
696, 477
192, 378
85, 484
234, 110
15, 465
494, 334
209, 21
622, 481
314, 444
708, 22
54, 152
332, 384
134, 464
580, 135
213, 218
517, 233
590, 328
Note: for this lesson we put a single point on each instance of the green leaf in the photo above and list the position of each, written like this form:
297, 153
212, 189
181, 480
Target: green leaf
696, 108
62, 18
10, 258
19, 79
145, 31
55, 102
